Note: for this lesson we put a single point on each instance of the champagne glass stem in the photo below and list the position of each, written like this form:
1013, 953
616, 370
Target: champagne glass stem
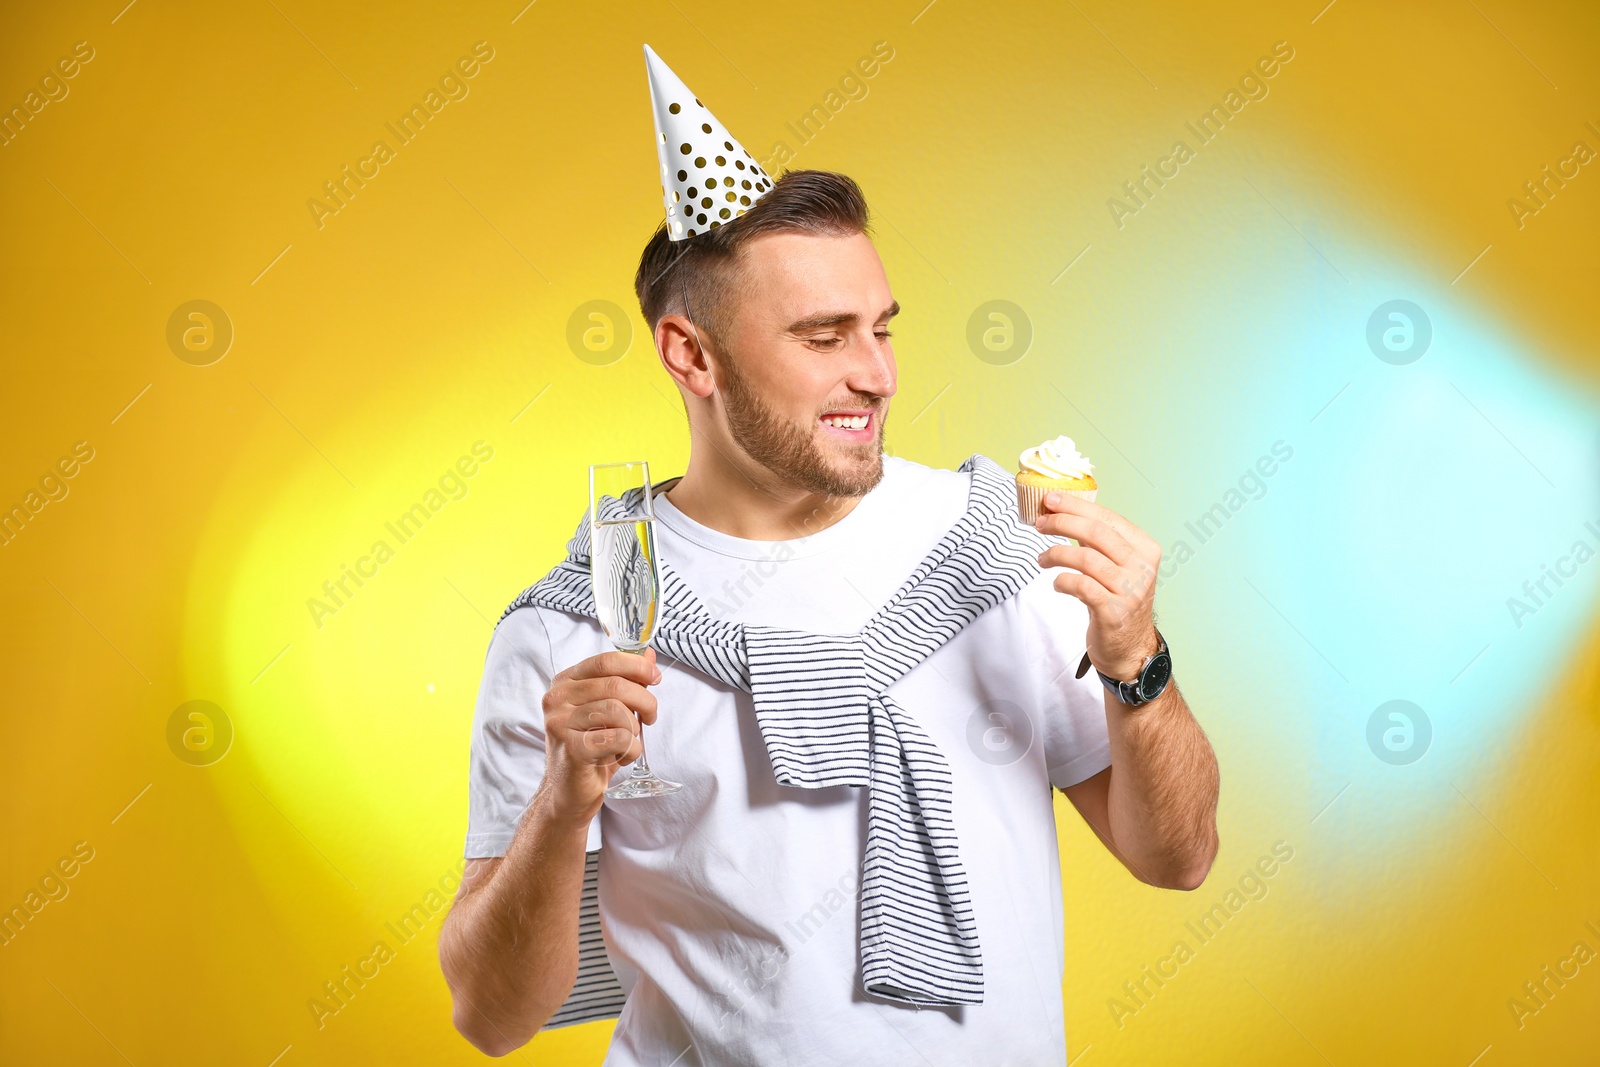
641, 766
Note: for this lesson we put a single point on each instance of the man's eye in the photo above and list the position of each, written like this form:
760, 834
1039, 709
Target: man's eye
884, 335
827, 342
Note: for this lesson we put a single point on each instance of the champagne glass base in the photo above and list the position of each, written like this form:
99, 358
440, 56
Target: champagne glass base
634, 788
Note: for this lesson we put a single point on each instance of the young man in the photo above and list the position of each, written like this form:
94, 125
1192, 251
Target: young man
761, 914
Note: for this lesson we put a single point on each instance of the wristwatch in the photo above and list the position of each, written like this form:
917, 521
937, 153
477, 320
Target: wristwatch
1151, 682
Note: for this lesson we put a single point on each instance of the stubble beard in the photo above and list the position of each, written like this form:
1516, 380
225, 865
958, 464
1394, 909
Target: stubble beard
791, 452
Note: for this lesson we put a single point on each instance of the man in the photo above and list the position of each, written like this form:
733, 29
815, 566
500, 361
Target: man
737, 912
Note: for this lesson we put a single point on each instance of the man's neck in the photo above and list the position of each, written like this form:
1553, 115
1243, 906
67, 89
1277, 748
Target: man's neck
753, 505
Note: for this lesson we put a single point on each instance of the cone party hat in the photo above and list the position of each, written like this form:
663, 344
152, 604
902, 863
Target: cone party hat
707, 178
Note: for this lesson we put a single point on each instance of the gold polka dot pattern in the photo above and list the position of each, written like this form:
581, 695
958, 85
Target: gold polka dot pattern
697, 155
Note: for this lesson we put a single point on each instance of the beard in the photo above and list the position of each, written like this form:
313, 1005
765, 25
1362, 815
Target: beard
791, 452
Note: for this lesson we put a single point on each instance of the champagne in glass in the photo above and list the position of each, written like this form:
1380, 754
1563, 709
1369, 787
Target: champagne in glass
627, 585
626, 592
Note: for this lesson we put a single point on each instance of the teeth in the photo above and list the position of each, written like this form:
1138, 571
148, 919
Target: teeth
854, 422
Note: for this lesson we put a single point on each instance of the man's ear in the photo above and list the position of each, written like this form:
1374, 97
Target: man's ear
683, 356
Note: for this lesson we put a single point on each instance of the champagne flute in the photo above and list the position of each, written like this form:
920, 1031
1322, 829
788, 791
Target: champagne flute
627, 584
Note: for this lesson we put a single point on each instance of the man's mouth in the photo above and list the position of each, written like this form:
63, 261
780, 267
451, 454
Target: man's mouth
853, 426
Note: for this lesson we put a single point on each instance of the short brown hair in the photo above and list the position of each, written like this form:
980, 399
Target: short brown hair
805, 201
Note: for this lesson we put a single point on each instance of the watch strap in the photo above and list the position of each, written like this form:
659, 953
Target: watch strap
1129, 693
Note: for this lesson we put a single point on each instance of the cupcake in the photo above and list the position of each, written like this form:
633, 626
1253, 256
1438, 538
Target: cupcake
1055, 466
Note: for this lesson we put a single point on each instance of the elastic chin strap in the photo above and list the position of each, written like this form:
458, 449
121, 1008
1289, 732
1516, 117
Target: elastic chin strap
683, 287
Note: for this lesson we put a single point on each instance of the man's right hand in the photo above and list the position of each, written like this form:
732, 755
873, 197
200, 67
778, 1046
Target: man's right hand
591, 729
509, 947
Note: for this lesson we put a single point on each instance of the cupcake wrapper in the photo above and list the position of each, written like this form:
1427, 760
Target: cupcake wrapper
1030, 500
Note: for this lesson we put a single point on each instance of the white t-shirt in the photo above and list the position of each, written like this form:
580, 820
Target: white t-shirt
730, 908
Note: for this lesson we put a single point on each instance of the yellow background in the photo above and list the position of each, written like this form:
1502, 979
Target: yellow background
431, 312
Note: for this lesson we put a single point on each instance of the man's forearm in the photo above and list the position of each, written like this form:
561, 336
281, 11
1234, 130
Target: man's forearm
1163, 790
509, 947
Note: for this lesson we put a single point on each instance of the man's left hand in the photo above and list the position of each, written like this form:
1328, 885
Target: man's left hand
1114, 574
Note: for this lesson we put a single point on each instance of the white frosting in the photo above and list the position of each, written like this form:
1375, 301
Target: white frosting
1057, 459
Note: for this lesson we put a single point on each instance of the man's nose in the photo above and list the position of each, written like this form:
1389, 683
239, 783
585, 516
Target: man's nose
874, 369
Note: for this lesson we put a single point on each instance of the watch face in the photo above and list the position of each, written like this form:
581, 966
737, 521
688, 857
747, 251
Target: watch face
1155, 676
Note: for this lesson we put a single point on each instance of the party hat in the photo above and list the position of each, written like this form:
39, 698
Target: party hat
707, 178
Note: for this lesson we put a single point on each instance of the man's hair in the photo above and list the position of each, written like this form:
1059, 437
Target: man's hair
707, 264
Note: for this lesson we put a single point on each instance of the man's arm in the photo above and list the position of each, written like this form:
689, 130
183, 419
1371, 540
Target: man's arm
1155, 807
509, 947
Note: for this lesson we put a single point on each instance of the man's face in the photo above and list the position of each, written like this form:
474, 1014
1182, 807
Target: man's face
809, 348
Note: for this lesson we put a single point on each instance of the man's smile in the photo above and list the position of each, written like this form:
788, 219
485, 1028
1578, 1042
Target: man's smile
857, 426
